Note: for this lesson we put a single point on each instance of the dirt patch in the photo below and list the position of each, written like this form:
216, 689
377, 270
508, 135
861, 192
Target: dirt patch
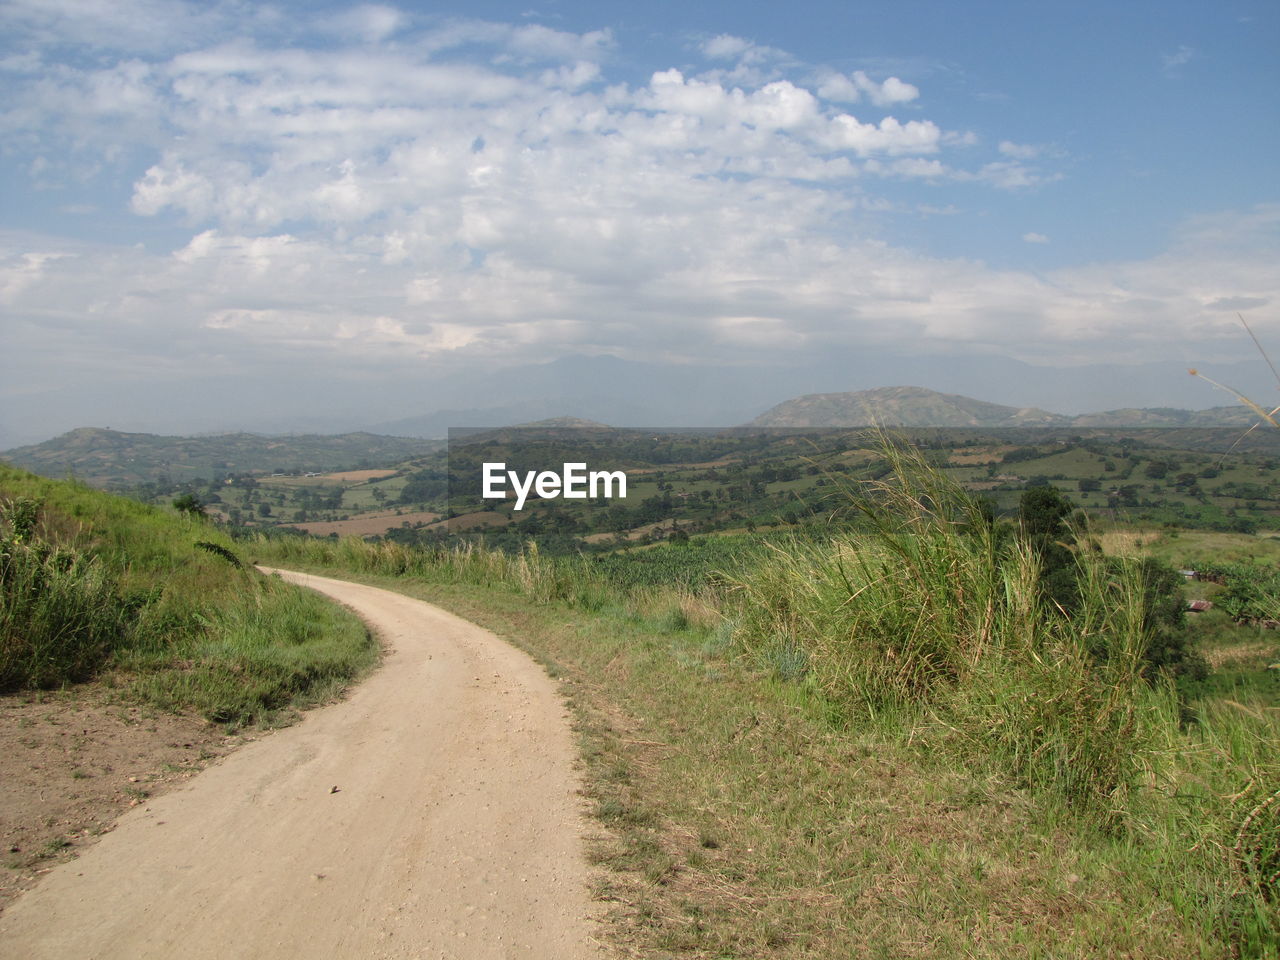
71, 762
359, 476
365, 526
978, 456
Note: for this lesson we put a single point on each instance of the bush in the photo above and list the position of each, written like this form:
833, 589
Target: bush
935, 612
60, 615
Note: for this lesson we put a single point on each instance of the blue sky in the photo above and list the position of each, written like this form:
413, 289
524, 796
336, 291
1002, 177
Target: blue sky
369, 196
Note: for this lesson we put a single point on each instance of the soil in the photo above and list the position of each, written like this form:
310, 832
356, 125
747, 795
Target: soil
434, 813
72, 761
358, 476
366, 525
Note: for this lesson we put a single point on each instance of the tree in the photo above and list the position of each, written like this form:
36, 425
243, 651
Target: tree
189, 504
1042, 514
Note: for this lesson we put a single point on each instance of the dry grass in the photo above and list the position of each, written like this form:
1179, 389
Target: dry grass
978, 456
366, 526
634, 533
1128, 543
358, 476
1247, 655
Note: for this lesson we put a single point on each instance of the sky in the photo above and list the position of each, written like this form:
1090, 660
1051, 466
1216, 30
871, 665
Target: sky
225, 214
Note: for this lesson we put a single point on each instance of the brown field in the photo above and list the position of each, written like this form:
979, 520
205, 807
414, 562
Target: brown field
1128, 543
365, 526
358, 476
1247, 654
704, 465
978, 456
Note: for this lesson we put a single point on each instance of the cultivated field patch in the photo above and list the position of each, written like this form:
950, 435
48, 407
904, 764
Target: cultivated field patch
366, 526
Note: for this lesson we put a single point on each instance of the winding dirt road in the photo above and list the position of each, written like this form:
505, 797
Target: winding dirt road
433, 814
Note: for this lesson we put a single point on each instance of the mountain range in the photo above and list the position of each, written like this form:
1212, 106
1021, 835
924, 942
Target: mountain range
919, 407
117, 458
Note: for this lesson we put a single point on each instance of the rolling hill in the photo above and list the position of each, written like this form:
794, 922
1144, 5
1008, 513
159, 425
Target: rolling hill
113, 458
919, 407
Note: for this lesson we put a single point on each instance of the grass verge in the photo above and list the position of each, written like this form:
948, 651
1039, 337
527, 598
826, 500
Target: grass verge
746, 818
159, 606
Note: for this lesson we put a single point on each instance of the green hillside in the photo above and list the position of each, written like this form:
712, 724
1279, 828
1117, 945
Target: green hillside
900, 407
919, 407
110, 458
160, 605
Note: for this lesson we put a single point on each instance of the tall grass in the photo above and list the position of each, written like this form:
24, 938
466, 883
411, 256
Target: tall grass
160, 605
930, 615
542, 579
274, 647
60, 615
935, 625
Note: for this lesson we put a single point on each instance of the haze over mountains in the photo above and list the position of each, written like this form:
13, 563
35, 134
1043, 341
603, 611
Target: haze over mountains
119, 458
632, 393
604, 388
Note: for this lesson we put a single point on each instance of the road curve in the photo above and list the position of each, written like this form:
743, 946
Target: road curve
432, 814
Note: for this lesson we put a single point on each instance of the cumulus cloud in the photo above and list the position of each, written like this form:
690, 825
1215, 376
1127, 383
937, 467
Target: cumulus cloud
485, 192
853, 87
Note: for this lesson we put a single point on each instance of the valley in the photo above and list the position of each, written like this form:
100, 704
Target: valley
811, 668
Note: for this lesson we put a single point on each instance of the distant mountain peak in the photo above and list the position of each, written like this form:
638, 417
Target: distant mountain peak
902, 406
563, 423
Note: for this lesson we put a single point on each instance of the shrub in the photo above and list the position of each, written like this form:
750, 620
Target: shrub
60, 616
935, 612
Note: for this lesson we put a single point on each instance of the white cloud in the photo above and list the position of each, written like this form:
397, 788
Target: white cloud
889, 136
477, 190
1179, 58
746, 52
1019, 151
1034, 238
842, 88
725, 47
742, 272
140, 26
369, 22
1010, 175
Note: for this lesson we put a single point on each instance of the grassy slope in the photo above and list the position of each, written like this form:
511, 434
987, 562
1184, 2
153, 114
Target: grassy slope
206, 636
745, 823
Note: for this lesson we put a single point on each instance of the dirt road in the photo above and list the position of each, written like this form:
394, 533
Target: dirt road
431, 815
